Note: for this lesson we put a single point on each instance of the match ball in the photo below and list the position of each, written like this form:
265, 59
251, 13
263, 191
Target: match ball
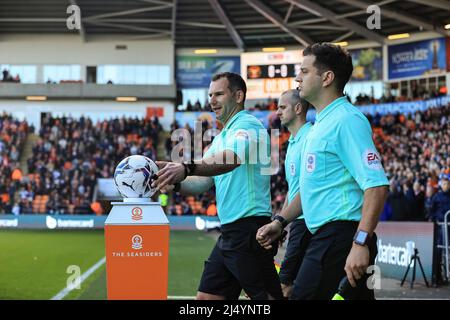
134, 175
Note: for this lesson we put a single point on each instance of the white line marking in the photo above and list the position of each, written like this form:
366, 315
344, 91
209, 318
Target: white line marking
181, 297
193, 298
64, 292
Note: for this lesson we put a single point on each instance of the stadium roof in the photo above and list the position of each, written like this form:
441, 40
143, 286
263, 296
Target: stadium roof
239, 24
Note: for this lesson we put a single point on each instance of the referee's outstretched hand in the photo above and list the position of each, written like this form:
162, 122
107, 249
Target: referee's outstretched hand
169, 173
268, 234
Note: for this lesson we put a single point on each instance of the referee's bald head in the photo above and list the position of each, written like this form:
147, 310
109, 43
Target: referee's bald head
293, 97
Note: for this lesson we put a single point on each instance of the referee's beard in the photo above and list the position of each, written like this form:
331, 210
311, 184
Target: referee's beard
234, 110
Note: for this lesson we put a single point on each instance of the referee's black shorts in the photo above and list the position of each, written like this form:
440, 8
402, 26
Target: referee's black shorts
299, 236
238, 262
323, 265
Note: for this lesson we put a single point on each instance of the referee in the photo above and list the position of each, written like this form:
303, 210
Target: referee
292, 112
243, 197
343, 185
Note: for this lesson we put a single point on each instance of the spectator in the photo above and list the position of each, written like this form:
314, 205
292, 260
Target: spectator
440, 203
417, 209
16, 175
212, 209
430, 192
397, 202
71, 154
16, 209
5, 75
409, 198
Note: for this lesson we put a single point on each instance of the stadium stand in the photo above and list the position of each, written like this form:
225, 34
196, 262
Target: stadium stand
414, 175
70, 154
415, 150
13, 134
8, 77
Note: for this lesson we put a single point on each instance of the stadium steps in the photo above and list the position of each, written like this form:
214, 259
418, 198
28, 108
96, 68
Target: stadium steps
27, 151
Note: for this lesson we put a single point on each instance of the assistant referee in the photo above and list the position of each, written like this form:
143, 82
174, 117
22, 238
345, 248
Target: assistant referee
343, 185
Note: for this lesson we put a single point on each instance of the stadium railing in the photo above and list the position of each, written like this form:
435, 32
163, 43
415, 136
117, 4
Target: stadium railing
445, 226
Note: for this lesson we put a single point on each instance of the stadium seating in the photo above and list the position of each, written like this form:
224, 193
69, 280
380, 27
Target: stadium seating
71, 154
13, 134
395, 136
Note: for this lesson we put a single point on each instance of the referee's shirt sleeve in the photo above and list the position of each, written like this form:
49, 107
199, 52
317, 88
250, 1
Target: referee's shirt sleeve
358, 153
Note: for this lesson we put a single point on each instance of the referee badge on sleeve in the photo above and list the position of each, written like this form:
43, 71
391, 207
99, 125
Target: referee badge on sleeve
310, 162
292, 168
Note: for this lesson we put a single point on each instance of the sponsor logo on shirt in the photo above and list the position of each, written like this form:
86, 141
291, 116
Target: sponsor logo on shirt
372, 160
310, 162
241, 134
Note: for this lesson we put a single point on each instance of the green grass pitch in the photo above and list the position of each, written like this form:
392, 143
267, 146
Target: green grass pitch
33, 263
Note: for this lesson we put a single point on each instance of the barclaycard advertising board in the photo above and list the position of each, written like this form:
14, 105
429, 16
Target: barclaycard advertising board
269, 74
396, 243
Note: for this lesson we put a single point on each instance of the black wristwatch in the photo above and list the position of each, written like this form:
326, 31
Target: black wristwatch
361, 238
282, 220
188, 169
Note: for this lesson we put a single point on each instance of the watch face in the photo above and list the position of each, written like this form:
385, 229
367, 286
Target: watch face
282, 220
361, 237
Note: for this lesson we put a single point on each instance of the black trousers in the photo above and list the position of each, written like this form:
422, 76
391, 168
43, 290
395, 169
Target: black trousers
323, 264
296, 248
238, 262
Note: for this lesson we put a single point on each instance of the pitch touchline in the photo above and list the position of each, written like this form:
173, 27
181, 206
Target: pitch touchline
83, 277
193, 298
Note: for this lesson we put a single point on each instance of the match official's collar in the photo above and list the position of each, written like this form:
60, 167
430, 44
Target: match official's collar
300, 132
234, 118
329, 108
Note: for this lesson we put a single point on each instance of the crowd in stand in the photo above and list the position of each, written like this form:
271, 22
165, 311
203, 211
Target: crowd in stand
416, 94
71, 154
8, 77
187, 205
416, 157
13, 134
197, 106
360, 100
205, 203
268, 105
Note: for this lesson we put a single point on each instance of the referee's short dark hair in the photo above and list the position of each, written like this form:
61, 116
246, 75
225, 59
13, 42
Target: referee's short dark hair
330, 57
235, 81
